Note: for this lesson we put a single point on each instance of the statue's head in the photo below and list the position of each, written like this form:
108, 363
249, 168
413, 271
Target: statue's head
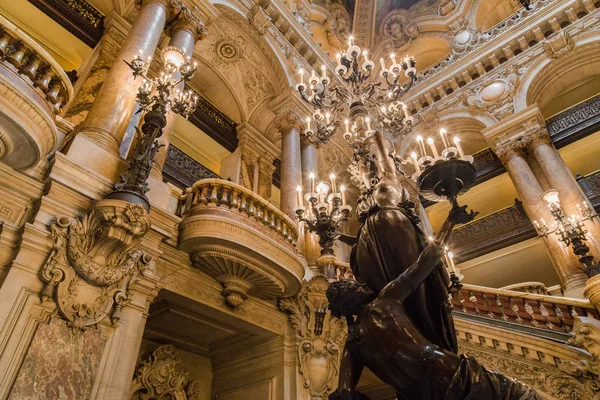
347, 297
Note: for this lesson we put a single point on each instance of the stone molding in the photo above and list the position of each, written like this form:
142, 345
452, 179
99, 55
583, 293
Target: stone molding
95, 261
321, 336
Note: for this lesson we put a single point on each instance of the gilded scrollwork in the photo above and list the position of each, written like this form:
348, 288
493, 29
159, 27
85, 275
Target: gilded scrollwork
94, 262
321, 336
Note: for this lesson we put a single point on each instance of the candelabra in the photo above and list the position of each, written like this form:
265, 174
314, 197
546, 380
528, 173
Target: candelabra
570, 230
363, 104
323, 212
155, 97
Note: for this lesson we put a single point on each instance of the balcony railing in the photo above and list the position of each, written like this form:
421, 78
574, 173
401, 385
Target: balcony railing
77, 16
535, 313
182, 170
590, 184
34, 89
241, 240
233, 197
493, 232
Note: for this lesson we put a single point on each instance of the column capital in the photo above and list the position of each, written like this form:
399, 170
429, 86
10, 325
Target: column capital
527, 126
187, 19
250, 138
510, 150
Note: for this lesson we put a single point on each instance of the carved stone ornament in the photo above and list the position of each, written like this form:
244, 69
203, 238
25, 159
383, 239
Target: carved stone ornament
398, 28
161, 377
95, 261
259, 19
559, 45
586, 334
340, 22
321, 335
495, 94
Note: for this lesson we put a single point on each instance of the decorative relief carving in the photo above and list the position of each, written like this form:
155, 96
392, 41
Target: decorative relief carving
95, 261
586, 334
259, 19
558, 45
341, 24
322, 336
549, 380
398, 28
161, 377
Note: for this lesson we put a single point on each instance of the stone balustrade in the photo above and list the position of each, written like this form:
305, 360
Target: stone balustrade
33, 89
225, 194
30, 61
241, 240
546, 313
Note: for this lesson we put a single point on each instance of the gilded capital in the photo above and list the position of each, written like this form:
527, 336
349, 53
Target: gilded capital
289, 120
538, 136
508, 151
187, 20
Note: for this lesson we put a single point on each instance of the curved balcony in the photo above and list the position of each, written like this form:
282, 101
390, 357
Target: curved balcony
241, 240
33, 88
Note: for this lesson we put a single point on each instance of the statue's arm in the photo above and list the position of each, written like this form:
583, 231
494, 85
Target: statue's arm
401, 287
347, 239
351, 369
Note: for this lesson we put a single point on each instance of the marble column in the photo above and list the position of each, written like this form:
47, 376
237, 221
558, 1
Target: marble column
184, 34
559, 177
309, 165
97, 144
567, 267
291, 168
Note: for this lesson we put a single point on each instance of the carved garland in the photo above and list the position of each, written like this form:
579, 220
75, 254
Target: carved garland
94, 262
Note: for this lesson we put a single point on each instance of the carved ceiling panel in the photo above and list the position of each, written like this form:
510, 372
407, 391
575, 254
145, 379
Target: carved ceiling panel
240, 63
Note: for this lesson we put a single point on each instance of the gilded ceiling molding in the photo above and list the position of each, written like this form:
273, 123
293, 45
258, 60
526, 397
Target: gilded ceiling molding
95, 261
161, 377
321, 337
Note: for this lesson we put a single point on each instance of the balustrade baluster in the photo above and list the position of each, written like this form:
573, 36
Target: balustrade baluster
515, 308
545, 314
203, 198
235, 200
225, 196
214, 193
251, 207
32, 68
501, 307
529, 310
243, 203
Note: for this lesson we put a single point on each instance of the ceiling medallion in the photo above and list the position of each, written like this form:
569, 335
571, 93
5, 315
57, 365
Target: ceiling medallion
228, 51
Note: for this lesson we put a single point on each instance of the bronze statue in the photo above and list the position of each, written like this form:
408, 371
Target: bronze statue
403, 330
385, 339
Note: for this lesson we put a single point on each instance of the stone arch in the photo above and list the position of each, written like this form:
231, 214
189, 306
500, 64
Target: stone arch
547, 78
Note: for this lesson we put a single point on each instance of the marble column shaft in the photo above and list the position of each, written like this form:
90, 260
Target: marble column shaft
531, 191
108, 117
291, 170
183, 37
309, 165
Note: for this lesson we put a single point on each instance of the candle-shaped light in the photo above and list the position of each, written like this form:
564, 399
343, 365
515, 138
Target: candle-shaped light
431, 144
343, 192
308, 123
313, 74
299, 193
332, 178
328, 118
444, 138
323, 71
452, 265
368, 121
366, 55
347, 123
382, 61
458, 146
405, 110
421, 146
338, 57
350, 41
301, 72
393, 58
312, 182
413, 157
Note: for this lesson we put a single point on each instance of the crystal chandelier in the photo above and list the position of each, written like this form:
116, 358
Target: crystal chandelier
570, 230
363, 104
323, 212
